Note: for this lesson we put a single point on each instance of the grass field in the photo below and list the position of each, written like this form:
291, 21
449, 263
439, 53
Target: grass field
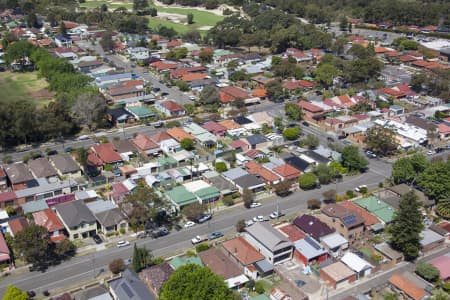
23, 87
201, 18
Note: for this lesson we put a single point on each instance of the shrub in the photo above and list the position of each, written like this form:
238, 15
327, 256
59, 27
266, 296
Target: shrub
228, 200
122, 230
307, 181
202, 247
363, 190
157, 261
313, 203
250, 284
190, 253
350, 194
235, 195
259, 287
427, 271
338, 198
116, 266
376, 258
380, 185
240, 226
221, 166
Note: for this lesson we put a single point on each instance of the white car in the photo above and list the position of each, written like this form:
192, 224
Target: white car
255, 204
83, 137
431, 152
121, 244
258, 219
361, 187
276, 214
249, 223
189, 224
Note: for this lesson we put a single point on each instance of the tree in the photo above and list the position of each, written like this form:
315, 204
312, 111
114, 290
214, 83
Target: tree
291, 134
282, 188
406, 226
259, 287
209, 95
19, 51
33, 244
177, 53
117, 266
435, 180
336, 169
343, 23
240, 226
293, 111
403, 171
274, 90
140, 5
220, 166
439, 294
443, 208
352, 159
326, 73
313, 204
142, 257
206, 56
187, 144
194, 211
311, 141
247, 197
62, 29
278, 123
381, 140
190, 18
307, 181
427, 271
193, 282
89, 108
106, 41
323, 173
14, 293
329, 196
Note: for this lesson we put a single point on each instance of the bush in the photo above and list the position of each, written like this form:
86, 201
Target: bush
235, 195
250, 284
338, 198
350, 194
202, 247
157, 261
446, 287
307, 181
380, 185
228, 200
240, 226
427, 271
313, 203
221, 166
291, 134
116, 266
190, 253
259, 287
122, 230
363, 190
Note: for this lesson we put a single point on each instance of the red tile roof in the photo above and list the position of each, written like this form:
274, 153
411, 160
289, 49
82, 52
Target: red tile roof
172, 106
18, 224
160, 65
194, 76
160, 136
48, 219
240, 249
292, 232
408, 287
442, 263
407, 58
179, 134
4, 250
287, 171
443, 128
174, 43
238, 144
369, 219
144, 143
256, 169
214, 127
309, 106
178, 73
106, 153
230, 93
7, 196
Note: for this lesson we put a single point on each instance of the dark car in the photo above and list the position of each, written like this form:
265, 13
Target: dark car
97, 239
31, 294
161, 82
215, 235
156, 89
161, 231
330, 139
168, 85
305, 123
204, 218
164, 94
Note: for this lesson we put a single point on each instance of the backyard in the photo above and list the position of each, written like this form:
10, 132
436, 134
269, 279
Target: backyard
24, 86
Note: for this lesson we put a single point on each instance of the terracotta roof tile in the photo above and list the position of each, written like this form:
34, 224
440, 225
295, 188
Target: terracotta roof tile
242, 251
178, 134
287, 171
219, 263
369, 219
18, 224
292, 232
144, 142
309, 106
48, 219
407, 287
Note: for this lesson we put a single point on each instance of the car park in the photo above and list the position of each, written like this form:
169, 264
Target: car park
189, 224
121, 244
215, 235
255, 205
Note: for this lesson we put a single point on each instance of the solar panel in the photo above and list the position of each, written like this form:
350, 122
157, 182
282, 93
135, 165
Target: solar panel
312, 243
127, 290
350, 219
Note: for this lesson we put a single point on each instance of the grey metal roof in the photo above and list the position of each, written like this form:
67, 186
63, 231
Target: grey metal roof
333, 240
130, 287
95, 293
34, 206
64, 163
248, 181
264, 266
44, 187
309, 248
430, 237
232, 174
268, 236
41, 167
110, 217
18, 173
100, 206
75, 213
256, 139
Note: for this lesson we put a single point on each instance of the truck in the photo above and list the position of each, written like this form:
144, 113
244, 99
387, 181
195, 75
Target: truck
199, 238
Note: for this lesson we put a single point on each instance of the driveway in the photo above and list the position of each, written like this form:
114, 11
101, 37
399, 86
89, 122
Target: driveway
293, 273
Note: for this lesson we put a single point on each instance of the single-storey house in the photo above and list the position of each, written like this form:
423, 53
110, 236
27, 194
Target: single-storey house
337, 275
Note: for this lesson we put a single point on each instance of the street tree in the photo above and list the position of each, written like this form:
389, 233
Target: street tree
278, 123
190, 18
33, 244
209, 95
140, 5
326, 73
19, 51
89, 108
116, 266
193, 282
323, 173
240, 226
274, 89
336, 169
311, 141
193, 211
381, 140
247, 197
106, 41
282, 188
293, 111
435, 180
313, 204
14, 293
307, 181
291, 134
142, 258
187, 144
403, 171
427, 271
406, 226
352, 159
329, 196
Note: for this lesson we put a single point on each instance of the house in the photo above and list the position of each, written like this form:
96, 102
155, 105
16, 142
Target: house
179, 134
156, 276
261, 118
267, 176
125, 148
407, 287
48, 219
145, 145
229, 94
216, 260
63, 40
77, 219
250, 182
387, 251
242, 252
312, 226
129, 287
334, 243
18, 175
430, 240
119, 116
311, 112
269, 242
8, 199
122, 94
204, 192
349, 224
170, 108
298, 163
257, 141
110, 218
287, 172
138, 53
396, 192
180, 197
98, 292
442, 263
65, 165
5, 254
383, 211
41, 167
369, 219
87, 66
361, 267
215, 128
291, 232
337, 275
105, 154
309, 251
16, 225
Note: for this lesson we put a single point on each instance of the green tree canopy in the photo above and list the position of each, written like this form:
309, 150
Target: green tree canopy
33, 243
435, 180
427, 271
209, 95
403, 171
193, 211
291, 134
142, 257
14, 293
293, 111
187, 144
307, 181
193, 282
352, 159
381, 140
323, 173
19, 51
406, 226
325, 74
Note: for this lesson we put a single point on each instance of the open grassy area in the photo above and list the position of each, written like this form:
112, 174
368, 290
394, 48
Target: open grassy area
23, 87
202, 18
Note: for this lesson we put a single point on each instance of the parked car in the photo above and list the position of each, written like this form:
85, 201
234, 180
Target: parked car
121, 244
68, 149
97, 239
361, 188
431, 152
215, 235
249, 223
156, 89
189, 224
198, 239
161, 231
168, 85
370, 154
258, 219
276, 214
192, 98
255, 204
203, 218
159, 125
83, 137
164, 94
330, 139
305, 123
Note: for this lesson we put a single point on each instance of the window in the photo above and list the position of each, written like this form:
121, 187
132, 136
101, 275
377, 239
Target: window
75, 236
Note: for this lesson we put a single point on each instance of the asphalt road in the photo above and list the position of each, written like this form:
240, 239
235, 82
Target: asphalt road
82, 268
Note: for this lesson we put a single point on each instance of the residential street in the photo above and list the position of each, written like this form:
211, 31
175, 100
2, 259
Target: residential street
82, 268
